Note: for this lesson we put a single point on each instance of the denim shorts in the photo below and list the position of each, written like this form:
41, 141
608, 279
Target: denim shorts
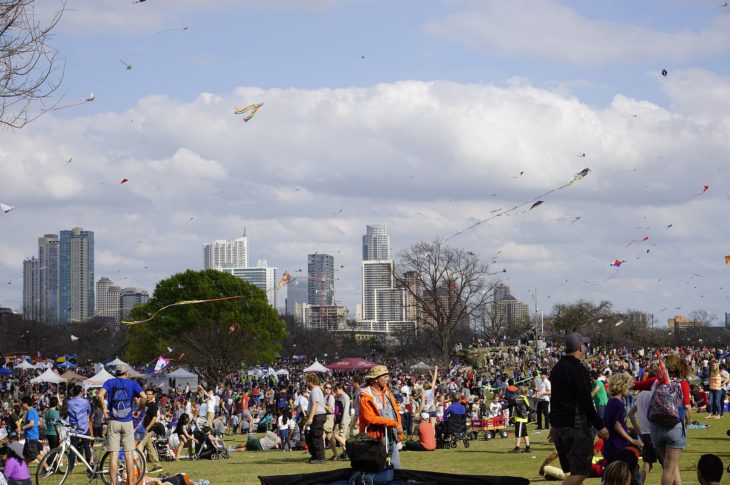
674, 437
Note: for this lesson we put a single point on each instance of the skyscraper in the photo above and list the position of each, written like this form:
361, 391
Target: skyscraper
375, 243
226, 254
376, 274
261, 276
107, 300
296, 292
321, 283
49, 277
31, 289
76, 275
130, 298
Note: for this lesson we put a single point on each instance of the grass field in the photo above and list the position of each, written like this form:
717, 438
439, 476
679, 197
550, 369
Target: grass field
483, 457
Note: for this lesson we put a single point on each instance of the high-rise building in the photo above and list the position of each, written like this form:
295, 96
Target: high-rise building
108, 300
508, 309
375, 243
376, 274
48, 277
296, 292
324, 317
130, 298
501, 292
31, 289
76, 275
390, 304
261, 276
321, 283
413, 296
226, 254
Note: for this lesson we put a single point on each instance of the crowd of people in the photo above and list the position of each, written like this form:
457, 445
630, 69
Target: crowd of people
574, 392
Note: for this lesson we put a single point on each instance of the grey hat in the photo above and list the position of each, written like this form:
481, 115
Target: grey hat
121, 369
574, 341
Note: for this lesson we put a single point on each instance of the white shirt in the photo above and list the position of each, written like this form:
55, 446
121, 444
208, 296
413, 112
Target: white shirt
405, 390
544, 388
642, 406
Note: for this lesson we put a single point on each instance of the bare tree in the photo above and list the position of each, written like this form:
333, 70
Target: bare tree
447, 285
30, 69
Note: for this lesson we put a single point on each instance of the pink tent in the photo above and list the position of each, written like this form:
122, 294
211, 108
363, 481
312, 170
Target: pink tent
351, 363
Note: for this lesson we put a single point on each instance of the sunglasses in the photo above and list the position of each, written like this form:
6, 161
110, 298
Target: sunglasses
327, 387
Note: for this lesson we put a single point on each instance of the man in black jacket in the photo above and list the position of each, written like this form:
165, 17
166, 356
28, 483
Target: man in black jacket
572, 414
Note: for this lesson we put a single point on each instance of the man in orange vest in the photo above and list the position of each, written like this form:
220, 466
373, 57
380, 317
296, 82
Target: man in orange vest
379, 413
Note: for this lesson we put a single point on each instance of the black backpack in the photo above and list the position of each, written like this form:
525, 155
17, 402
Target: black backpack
366, 453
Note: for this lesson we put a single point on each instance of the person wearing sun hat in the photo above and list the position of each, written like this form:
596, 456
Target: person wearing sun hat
379, 416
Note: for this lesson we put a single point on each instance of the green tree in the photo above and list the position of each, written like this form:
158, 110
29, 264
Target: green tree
216, 337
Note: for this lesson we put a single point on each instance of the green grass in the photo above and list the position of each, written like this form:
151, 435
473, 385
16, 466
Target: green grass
483, 457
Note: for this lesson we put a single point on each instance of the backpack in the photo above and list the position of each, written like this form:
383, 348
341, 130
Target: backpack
120, 403
664, 404
339, 412
366, 453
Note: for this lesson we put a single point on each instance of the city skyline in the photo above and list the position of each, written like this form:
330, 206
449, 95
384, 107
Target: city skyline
434, 125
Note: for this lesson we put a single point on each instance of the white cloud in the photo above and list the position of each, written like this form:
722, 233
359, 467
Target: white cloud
546, 29
424, 157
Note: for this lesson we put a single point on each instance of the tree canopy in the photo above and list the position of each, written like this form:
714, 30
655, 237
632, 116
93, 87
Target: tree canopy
215, 338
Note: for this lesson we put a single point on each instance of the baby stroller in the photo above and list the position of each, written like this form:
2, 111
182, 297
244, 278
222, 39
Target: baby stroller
455, 431
264, 424
161, 443
208, 446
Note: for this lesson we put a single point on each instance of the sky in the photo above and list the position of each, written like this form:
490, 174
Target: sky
427, 116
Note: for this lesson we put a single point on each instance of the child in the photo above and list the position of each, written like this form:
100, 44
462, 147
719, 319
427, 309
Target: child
495, 407
283, 427
16, 469
521, 413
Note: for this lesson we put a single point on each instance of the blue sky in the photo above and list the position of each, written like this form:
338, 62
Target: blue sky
451, 100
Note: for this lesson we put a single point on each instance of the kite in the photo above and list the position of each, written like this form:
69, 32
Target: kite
539, 202
727, 259
572, 180
664, 72
183, 29
126, 64
251, 109
161, 364
520, 175
285, 279
643, 239
669, 226
600, 320
619, 323
337, 212
181, 303
74, 338
582, 155
6, 208
724, 5
705, 188
68, 162
617, 263
91, 97
124, 181
169, 350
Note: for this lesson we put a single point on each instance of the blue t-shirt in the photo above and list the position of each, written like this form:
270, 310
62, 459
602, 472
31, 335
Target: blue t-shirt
120, 393
79, 410
32, 433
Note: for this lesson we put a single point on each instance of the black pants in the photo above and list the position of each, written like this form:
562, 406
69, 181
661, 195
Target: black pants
413, 446
84, 447
542, 412
315, 440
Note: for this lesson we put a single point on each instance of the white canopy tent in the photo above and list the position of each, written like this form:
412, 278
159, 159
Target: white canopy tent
316, 367
25, 365
116, 362
98, 379
282, 372
421, 366
49, 377
181, 378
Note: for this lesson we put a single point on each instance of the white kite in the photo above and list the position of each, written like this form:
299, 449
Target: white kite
74, 338
619, 323
6, 208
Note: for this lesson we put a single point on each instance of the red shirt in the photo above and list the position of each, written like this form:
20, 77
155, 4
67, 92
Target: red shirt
427, 435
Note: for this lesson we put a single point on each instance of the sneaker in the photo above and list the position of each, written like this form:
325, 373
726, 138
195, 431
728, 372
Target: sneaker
343, 456
516, 449
155, 469
48, 473
526, 450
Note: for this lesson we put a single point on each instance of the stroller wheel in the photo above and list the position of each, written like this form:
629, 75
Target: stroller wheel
473, 435
466, 443
453, 444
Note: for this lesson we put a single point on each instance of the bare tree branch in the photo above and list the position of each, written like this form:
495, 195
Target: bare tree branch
30, 68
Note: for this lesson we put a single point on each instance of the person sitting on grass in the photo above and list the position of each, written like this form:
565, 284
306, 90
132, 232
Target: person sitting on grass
16, 469
709, 470
426, 436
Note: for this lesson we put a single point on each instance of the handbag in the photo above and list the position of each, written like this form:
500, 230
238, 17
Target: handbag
366, 453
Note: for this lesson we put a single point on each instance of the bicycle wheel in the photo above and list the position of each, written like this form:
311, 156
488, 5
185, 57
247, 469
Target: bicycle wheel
140, 467
53, 468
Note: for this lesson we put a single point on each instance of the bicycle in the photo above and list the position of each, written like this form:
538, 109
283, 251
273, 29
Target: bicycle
54, 466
